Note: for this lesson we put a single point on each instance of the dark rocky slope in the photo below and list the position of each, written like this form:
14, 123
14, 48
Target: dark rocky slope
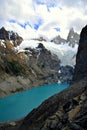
68, 109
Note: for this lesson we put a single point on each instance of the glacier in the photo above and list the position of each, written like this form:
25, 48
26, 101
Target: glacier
66, 53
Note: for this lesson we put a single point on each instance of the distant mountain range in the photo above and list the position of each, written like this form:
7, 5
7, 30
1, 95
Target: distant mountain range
72, 38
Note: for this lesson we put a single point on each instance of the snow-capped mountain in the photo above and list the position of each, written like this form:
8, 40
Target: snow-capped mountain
65, 53
72, 38
65, 49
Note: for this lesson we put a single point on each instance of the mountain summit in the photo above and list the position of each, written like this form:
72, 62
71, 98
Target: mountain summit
10, 35
72, 38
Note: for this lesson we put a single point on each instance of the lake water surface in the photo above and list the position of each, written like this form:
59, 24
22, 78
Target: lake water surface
19, 105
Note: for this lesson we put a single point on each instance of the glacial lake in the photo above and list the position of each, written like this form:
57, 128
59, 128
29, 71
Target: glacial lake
17, 106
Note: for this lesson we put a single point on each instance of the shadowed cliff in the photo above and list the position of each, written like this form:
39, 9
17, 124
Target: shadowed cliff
81, 57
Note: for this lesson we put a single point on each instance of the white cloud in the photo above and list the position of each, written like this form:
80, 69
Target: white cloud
45, 15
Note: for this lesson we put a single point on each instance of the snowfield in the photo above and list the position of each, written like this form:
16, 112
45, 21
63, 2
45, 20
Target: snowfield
65, 53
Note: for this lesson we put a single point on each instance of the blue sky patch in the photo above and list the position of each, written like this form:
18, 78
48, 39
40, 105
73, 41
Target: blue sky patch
12, 21
57, 29
20, 24
48, 4
39, 2
38, 24
25, 24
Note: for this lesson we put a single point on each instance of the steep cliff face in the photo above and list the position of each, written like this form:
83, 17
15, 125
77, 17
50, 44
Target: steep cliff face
81, 57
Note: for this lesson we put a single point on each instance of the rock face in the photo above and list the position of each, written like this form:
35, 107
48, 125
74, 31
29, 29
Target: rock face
81, 58
72, 38
47, 63
71, 116
65, 74
4, 34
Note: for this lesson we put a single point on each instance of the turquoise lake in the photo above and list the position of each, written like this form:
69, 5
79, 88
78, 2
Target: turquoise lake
19, 105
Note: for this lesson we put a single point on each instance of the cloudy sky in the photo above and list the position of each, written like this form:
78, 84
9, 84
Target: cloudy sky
34, 18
